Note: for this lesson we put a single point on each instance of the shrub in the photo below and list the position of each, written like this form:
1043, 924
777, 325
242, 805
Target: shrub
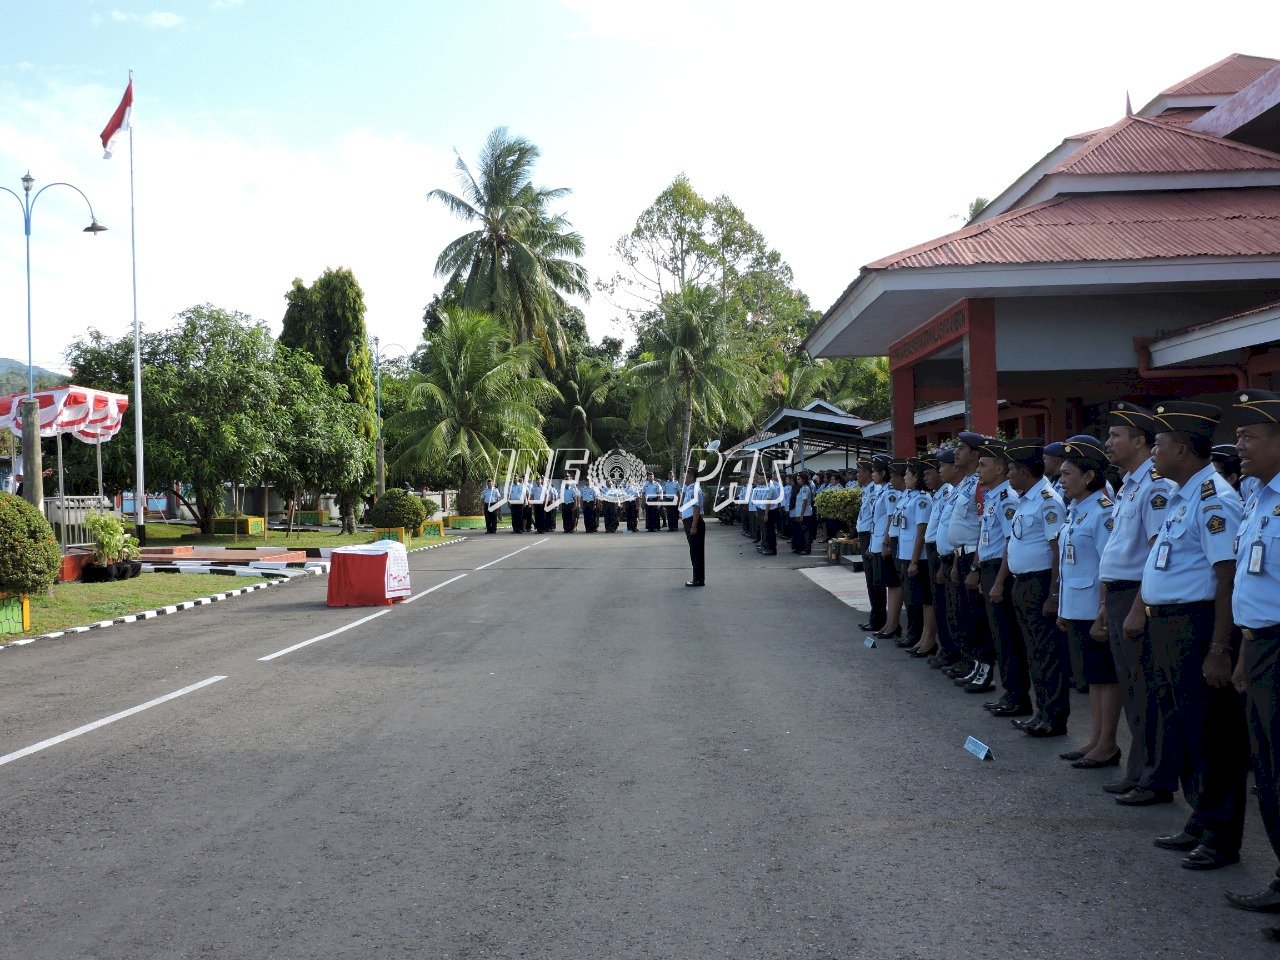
398, 508
29, 555
108, 537
430, 506
839, 505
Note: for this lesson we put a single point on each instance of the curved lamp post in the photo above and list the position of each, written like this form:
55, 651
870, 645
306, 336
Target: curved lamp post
381, 456
33, 468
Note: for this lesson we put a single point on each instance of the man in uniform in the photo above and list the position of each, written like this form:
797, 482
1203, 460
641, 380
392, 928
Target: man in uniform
862, 528
969, 627
1255, 605
940, 470
772, 493
1186, 585
631, 505
1142, 503
611, 496
695, 528
587, 497
1052, 456
490, 496
516, 494
671, 499
570, 503
1031, 560
652, 492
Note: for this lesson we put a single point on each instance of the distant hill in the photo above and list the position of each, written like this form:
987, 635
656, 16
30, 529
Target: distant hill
13, 377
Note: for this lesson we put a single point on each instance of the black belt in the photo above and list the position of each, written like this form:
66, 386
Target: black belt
1176, 609
946, 557
987, 563
965, 551
1122, 584
1262, 633
1034, 574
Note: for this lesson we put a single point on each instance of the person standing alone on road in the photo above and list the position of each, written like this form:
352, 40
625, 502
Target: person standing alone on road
695, 528
490, 496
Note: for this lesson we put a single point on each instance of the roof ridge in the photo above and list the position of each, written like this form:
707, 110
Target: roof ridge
971, 230
1100, 137
1207, 137
1171, 91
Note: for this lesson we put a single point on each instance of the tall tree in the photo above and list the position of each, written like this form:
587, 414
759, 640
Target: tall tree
478, 393
584, 417
517, 264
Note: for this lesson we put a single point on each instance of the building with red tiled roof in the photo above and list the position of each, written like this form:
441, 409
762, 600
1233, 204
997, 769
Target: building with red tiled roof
1140, 261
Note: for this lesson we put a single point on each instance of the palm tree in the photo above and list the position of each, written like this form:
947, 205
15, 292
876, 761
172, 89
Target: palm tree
694, 368
518, 261
478, 393
863, 387
586, 390
792, 380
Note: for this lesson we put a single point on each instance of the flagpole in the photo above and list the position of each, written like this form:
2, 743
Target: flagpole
140, 488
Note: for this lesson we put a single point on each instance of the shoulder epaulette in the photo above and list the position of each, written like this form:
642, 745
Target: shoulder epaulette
1046, 494
1004, 494
1155, 475
1104, 502
1208, 489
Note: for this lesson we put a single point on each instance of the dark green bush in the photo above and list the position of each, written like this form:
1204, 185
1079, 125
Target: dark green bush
839, 505
29, 553
398, 508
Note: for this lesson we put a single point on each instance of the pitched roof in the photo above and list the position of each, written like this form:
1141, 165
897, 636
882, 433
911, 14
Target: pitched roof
1229, 75
1111, 226
1142, 145
1181, 115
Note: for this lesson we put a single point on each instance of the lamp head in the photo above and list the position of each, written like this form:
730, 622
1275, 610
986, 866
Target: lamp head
27, 181
95, 227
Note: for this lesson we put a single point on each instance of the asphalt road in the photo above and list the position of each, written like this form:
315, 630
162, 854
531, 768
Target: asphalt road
564, 755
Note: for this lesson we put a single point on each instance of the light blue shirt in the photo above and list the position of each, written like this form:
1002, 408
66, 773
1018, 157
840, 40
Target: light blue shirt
587, 492
998, 508
1199, 531
569, 491
852, 485
943, 542
914, 512
1080, 546
490, 496
535, 493
671, 489
886, 503
690, 497
866, 508
630, 492
1256, 600
517, 492
1141, 507
652, 489
965, 526
1038, 517
940, 497
802, 504
785, 497
1248, 487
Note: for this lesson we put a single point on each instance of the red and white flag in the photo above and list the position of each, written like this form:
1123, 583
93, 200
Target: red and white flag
119, 121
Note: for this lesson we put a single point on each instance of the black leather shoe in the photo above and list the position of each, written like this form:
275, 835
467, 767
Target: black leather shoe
1119, 786
1045, 729
963, 680
1183, 841
992, 704
1084, 763
866, 626
694, 583
1138, 797
1012, 710
983, 680
1207, 858
881, 635
1071, 755
961, 668
1029, 721
1264, 901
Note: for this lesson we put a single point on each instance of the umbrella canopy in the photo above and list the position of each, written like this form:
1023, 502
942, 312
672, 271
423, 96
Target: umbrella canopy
93, 416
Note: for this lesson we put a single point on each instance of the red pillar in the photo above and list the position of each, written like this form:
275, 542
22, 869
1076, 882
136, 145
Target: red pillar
980, 367
904, 412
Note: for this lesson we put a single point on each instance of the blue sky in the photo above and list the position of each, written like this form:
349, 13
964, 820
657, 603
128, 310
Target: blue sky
276, 138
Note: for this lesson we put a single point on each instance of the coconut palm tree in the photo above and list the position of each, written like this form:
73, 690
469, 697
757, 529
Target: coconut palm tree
518, 263
478, 393
693, 369
862, 387
577, 419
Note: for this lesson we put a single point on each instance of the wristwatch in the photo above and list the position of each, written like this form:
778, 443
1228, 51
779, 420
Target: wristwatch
1218, 650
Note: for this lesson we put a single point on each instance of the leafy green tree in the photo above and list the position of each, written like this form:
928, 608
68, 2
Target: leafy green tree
478, 393
581, 418
694, 372
518, 263
861, 386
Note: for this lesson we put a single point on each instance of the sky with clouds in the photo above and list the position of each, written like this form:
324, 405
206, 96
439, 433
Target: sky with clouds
275, 138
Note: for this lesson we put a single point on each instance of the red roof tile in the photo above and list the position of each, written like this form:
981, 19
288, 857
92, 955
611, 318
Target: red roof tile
1229, 75
1181, 115
1111, 226
1142, 145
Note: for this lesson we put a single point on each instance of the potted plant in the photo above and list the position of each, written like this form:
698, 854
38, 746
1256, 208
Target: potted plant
397, 509
107, 533
29, 561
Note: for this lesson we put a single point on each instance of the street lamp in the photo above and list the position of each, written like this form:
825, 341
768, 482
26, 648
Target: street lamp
32, 470
380, 453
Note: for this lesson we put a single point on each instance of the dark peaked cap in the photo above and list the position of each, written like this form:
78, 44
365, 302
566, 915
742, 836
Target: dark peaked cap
1125, 414
1226, 453
947, 455
1256, 406
988, 447
1186, 416
1054, 449
1029, 450
971, 439
1084, 450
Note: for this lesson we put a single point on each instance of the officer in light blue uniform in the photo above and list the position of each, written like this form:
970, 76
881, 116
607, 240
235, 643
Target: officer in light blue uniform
517, 494
652, 493
631, 506
490, 496
1031, 556
695, 528
1255, 607
1052, 464
998, 509
589, 497
862, 529
671, 496
1191, 566
536, 513
970, 626
885, 571
570, 502
940, 467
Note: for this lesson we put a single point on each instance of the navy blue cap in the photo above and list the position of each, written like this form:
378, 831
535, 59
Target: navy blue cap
1055, 449
946, 455
971, 439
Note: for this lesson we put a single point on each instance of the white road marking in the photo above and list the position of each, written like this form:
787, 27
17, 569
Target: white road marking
88, 727
434, 589
324, 636
512, 554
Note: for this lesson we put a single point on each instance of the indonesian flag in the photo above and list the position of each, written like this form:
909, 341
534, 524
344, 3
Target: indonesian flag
119, 121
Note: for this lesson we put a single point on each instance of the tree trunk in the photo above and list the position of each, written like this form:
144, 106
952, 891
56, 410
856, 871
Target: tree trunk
468, 495
688, 427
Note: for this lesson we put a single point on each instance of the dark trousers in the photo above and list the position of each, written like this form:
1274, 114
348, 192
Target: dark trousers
650, 517
876, 593
811, 529
633, 516
1048, 658
970, 626
799, 535
1011, 654
590, 520
1210, 722
490, 520
768, 532
1262, 712
746, 516
610, 516
697, 544
938, 565
517, 518
568, 517
1155, 755
673, 516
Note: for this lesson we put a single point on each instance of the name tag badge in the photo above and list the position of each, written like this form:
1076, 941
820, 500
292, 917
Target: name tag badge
1256, 555
869, 643
986, 538
1162, 555
1070, 553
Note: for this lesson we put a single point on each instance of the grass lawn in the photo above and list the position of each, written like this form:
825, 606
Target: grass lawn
80, 604
161, 534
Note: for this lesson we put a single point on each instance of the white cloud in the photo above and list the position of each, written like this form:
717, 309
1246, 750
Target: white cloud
155, 20
226, 4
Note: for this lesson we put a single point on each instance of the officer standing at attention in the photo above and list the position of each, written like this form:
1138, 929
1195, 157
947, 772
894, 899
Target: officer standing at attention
940, 470
862, 529
588, 499
801, 508
671, 498
631, 504
1255, 605
1227, 462
1142, 503
516, 494
610, 495
768, 545
1187, 584
997, 513
1052, 457
972, 634
652, 491
695, 528
489, 496
570, 504
1031, 560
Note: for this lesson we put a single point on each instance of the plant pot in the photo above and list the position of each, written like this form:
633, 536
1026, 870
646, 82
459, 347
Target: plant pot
98, 573
135, 568
15, 614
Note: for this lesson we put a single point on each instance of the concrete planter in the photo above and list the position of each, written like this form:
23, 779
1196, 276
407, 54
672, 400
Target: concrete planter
398, 534
466, 523
15, 614
245, 526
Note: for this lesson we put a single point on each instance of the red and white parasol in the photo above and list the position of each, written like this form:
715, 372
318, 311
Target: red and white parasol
93, 416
